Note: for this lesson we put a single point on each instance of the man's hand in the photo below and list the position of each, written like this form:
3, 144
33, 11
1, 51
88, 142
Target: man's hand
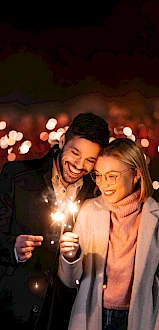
25, 244
69, 245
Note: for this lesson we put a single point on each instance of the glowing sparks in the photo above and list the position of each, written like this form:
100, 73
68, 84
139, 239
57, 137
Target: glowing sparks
57, 216
73, 208
57, 225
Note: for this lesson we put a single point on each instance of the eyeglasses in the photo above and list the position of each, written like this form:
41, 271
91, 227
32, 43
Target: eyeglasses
111, 177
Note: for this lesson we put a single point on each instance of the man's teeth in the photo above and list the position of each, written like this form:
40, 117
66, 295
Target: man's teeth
74, 170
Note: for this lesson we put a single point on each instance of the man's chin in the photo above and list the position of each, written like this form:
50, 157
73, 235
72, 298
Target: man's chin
72, 179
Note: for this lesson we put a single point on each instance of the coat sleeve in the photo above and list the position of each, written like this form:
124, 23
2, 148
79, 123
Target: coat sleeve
6, 212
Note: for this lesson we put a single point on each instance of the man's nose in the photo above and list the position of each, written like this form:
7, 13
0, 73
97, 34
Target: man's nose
79, 163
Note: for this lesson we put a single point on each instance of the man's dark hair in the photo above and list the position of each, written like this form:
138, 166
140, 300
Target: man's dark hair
90, 127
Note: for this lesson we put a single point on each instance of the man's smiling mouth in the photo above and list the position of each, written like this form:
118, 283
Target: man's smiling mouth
73, 170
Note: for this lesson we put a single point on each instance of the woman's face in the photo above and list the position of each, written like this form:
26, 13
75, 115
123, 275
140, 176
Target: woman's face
124, 186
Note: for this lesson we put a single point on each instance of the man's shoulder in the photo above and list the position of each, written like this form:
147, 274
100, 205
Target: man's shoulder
17, 167
27, 165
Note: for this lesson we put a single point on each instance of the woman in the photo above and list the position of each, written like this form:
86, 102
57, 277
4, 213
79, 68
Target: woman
113, 252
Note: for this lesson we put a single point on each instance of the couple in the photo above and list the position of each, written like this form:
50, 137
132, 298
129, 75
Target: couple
112, 252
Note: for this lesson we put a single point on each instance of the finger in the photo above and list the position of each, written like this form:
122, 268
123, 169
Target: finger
69, 245
25, 249
23, 244
69, 238
31, 238
24, 256
70, 234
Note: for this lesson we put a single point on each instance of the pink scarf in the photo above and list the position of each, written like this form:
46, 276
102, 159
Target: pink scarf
125, 218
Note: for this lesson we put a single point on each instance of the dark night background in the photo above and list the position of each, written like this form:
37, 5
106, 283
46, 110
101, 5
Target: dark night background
57, 60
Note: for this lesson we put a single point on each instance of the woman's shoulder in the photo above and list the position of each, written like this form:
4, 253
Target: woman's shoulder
96, 203
151, 205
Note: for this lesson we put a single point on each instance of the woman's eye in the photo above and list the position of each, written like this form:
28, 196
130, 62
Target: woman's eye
112, 176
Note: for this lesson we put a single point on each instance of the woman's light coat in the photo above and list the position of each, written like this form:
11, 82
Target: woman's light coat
92, 226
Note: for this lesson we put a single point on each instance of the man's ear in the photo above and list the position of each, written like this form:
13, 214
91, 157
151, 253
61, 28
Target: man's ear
62, 141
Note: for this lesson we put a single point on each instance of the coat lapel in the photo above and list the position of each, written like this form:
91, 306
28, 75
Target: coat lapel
147, 226
102, 226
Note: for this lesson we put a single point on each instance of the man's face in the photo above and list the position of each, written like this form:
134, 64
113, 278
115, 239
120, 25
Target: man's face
78, 158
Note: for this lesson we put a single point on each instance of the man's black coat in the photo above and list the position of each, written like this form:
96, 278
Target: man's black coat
31, 295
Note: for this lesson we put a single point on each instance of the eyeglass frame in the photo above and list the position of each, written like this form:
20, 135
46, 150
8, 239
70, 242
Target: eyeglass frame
110, 184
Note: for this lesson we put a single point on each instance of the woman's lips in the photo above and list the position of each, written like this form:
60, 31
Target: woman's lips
109, 193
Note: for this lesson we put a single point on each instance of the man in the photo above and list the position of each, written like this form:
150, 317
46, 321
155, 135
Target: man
31, 295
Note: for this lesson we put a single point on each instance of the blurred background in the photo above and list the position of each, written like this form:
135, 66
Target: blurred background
57, 60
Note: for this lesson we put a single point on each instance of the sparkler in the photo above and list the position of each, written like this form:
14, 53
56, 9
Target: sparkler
58, 218
60, 215
72, 207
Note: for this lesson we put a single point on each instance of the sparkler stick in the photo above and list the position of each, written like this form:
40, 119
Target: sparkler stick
73, 208
58, 218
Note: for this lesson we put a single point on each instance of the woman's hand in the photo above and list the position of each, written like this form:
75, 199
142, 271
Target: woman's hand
69, 245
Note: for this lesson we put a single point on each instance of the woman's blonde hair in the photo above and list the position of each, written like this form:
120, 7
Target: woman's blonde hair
131, 154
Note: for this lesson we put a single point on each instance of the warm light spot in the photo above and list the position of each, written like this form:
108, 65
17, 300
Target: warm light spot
12, 134
51, 123
132, 137
19, 136
36, 285
104, 286
23, 149
66, 128
111, 138
61, 130
144, 143
10, 150
11, 157
28, 143
4, 143
3, 125
127, 131
155, 185
44, 136
58, 135
118, 130
147, 160
156, 115
52, 136
11, 141
151, 134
